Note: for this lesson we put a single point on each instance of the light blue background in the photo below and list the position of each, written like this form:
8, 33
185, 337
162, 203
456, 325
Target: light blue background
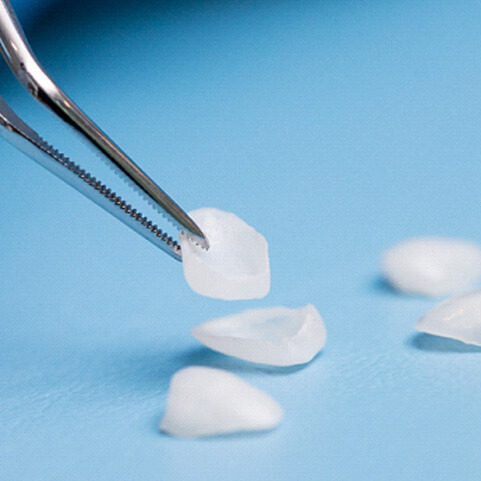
336, 128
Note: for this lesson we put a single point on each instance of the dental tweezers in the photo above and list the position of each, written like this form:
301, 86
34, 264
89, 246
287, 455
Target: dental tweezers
32, 76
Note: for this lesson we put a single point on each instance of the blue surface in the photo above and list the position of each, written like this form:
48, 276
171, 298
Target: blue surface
29, 10
336, 128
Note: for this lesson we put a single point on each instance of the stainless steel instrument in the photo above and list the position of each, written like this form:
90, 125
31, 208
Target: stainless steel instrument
32, 76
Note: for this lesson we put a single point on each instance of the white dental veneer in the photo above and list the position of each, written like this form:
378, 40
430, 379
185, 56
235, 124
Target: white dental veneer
458, 318
432, 266
204, 401
236, 265
278, 336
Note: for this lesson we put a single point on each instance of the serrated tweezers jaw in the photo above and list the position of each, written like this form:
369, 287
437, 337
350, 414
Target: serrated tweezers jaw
23, 137
30, 73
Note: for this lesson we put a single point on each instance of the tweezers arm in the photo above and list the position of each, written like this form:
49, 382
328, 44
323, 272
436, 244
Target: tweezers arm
31, 75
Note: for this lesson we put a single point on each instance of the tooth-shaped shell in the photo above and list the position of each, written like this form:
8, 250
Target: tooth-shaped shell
236, 265
278, 336
204, 401
458, 318
432, 266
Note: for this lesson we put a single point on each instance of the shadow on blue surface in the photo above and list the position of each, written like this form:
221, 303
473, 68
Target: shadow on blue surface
60, 13
202, 356
218, 437
430, 343
381, 286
